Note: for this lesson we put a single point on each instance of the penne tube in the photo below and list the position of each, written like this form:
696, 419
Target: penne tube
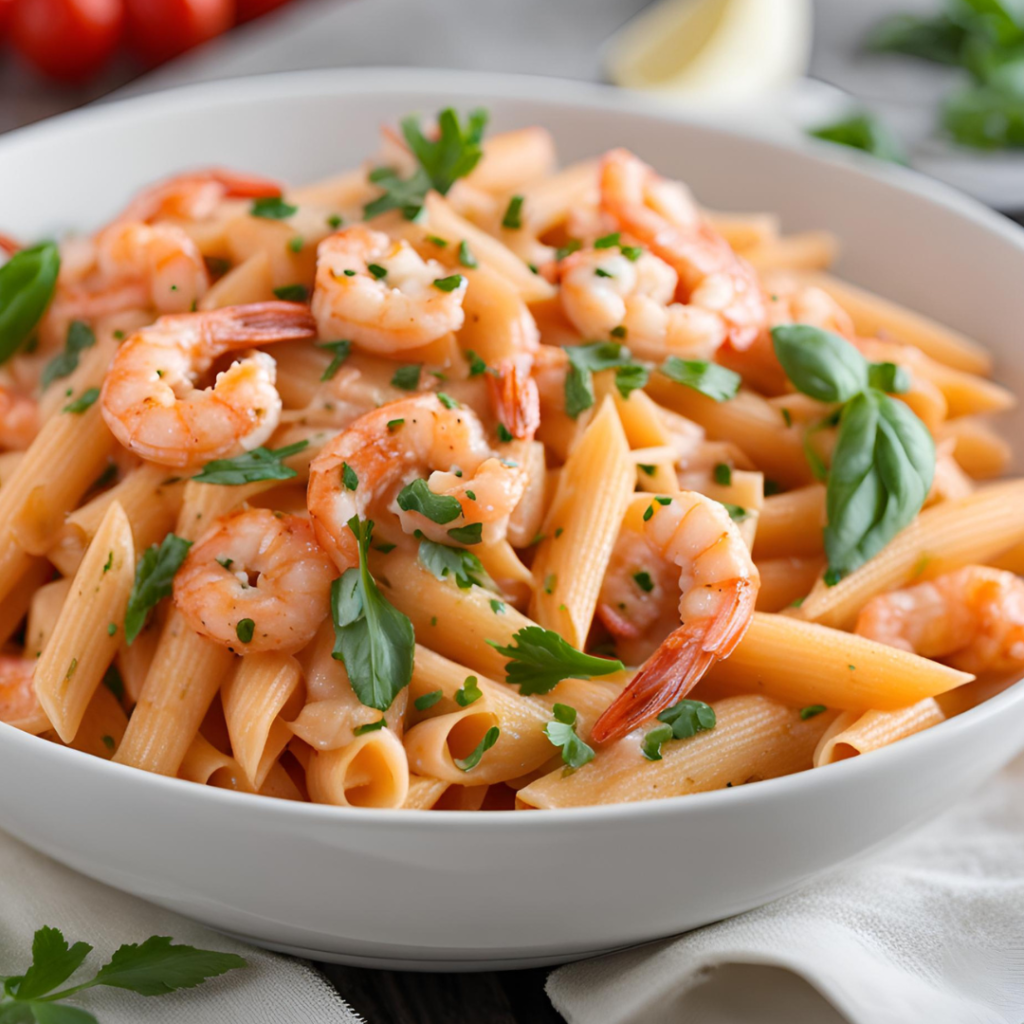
280, 784
151, 497
254, 699
749, 421
135, 660
85, 639
463, 798
371, 771
20, 598
744, 230
205, 764
423, 793
981, 452
852, 733
250, 281
946, 536
811, 250
453, 732
785, 581
547, 204
791, 523
345, 194
802, 663
512, 160
754, 739
874, 317
443, 221
581, 526
43, 615
102, 727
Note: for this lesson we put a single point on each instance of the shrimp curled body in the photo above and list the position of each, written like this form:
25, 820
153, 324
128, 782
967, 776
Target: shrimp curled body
151, 401
399, 443
972, 618
381, 294
259, 566
718, 582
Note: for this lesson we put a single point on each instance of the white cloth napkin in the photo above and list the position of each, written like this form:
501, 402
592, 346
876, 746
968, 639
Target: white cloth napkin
929, 931
35, 890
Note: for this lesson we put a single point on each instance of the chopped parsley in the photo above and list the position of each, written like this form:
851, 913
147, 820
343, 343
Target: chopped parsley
340, 352
154, 575
438, 508
80, 336
513, 218
541, 659
450, 283
348, 477
428, 700
245, 629
407, 377
259, 464
292, 293
456, 564
466, 257
272, 208
562, 733
811, 710
466, 764
681, 721
469, 693
83, 402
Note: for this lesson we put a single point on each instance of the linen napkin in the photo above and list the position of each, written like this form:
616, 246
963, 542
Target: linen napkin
35, 890
929, 931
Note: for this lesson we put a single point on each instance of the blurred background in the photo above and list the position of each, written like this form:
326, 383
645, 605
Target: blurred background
938, 84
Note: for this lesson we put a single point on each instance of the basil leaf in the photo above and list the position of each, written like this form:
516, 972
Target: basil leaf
27, 281
372, 637
939, 39
819, 363
154, 577
863, 132
889, 377
709, 379
882, 469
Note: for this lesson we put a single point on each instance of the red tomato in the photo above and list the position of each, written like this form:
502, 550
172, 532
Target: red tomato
6, 6
67, 39
161, 29
248, 9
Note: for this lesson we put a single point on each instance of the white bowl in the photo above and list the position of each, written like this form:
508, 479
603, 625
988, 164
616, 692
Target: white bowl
445, 890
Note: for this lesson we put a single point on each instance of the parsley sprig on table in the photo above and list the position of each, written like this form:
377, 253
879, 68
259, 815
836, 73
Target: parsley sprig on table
152, 968
441, 162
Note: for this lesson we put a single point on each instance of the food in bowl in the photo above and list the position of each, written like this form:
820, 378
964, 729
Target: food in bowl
460, 481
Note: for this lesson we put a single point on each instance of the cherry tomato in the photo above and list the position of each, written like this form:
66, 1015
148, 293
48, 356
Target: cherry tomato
161, 29
6, 6
249, 9
69, 40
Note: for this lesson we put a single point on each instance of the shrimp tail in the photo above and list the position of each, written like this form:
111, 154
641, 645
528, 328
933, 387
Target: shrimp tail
515, 398
681, 661
9, 245
261, 323
245, 186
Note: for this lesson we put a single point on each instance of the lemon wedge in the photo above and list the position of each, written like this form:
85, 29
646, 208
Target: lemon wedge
713, 49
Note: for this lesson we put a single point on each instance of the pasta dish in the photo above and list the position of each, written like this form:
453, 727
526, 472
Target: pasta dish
461, 481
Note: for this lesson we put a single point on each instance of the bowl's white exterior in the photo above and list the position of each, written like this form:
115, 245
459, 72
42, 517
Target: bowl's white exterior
445, 890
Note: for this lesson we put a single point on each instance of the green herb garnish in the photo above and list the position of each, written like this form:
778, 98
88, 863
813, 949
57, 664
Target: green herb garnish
541, 659
259, 464
154, 576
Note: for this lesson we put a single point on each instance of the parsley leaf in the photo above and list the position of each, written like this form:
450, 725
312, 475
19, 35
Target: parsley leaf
811, 710
272, 208
405, 194
584, 361
428, 700
53, 962
438, 508
466, 764
455, 563
157, 967
466, 257
471, 533
542, 659
154, 576
340, 351
631, 378
709, 379
455, 151
84, 401
80, 336
865, 132
562, 733
681, 721
469, 693
513, 218
259, 464
407, 377
372, 637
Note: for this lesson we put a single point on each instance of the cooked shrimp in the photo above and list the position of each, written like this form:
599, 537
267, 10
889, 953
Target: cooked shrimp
18, 701
719, 584
972, 618
394, 306
514, 398
195, 196
661, 216
604, 291
260, 566
424, 437
150, 397
19, 420
131, 266
9, 245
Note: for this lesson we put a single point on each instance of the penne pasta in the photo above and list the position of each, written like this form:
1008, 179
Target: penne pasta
371, 771
84, 639
754, 739
852, 733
